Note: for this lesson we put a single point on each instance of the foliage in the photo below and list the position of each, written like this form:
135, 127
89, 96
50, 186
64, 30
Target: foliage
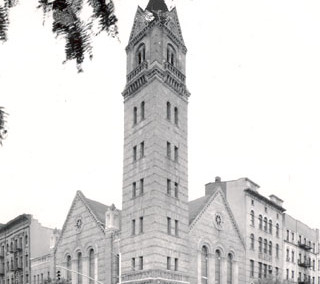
4, 18
3, 130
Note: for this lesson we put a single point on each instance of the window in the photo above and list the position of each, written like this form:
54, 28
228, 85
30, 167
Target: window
169, 150
176, 116
265, 249
168, 186
169, 225
135, 115
133, 227
252, 241
141, 186
288, 235
292, 274
176, 190
277, 271
141, 262
260, 244
252, 218
171, 55
91, 266
117, 268
141, 149
277, 230
287, 255
168, 111
69, 275
134, 153
133, 264
260, 270
287, 274
270, 226
292, 236
79, 268
141, 225
313, 265
260, 222
277, 250
142, 110
270, 248
27, 260
218, 267
229, 269
176, 227
265, 224
134, 189
204, 265
168, 263
292, 256
176, 264
26, 240
251, 268
252, 202
141, 53
176, 153
264, 270
266, 209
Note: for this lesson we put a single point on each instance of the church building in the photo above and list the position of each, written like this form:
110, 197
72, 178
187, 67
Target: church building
159, 236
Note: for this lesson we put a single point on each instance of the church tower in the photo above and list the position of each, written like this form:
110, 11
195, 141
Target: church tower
154, 218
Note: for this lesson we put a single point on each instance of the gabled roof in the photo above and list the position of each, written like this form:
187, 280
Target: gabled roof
195, 206
98, 209
157, 5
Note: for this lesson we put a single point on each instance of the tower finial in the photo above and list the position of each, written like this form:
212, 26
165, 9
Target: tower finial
157, 5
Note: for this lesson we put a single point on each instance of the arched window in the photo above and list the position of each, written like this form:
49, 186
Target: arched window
141, 53
260, 222
229, 269
26, 240
168, 110
135, 115
204, 265
252, 241
91, 266
79, 268
270, 248
265, 224
265, 247
277, 230
218, 267
142, 110
69, 274
171, 55
260, 244
176, 116
270, 226
252, 217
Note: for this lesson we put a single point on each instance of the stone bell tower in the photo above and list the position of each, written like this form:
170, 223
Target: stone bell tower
154, 218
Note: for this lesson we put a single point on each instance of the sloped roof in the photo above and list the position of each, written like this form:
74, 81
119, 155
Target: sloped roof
157, 5
195, 206
97, 208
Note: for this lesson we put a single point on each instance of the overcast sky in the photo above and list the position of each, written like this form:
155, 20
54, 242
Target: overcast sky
253, 69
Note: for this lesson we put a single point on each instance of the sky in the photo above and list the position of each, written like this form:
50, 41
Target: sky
253, 69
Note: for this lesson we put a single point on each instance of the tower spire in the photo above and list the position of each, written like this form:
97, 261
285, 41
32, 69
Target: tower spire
157, 5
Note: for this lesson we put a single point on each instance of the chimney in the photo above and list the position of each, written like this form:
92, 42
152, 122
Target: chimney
112, 218
211, 187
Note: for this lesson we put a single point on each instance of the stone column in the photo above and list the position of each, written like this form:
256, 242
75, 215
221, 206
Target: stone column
223, 270
211, 268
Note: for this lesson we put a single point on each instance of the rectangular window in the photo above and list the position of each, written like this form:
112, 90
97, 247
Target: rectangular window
176, 264
133, 264
292, 274
168, 186
141, 149
176, 227
265, 271
176, 190
176, 153
134, 190
142, 110
169, 150
141, 262
292, 256
277, 271
141, 186
168, 263
169, 225
287, 274
251, 268
292, 236
288, 235
134, 153
260, 270
135, 115
133, 227
176, 116
141, 225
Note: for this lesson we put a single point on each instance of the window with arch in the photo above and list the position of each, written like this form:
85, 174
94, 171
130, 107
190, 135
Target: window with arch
229, 269
141, 53
270, 248
265, 247
260, 244
171, 55
218, 267
26, 241
142, 110
265, 220
252, 218
176, 116
79, 267
252, 241
69, 274
204, 265
91, 266
168, 110
260, 222
270, 226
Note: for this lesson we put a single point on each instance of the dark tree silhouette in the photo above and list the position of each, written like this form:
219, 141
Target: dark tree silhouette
68, 23
3, 130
